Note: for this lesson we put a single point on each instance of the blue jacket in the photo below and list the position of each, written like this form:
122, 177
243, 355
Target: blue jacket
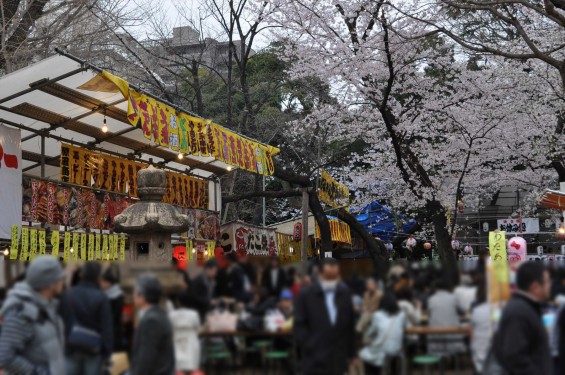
87, 305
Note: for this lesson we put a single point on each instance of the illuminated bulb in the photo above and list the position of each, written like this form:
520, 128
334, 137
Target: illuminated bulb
72, 250
561, 230
193, 251
206, 253
6, 252
229, 168
104, 127
180, 156
291, 250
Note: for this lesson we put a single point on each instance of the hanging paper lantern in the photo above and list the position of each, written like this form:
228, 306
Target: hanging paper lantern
455, 245
460, 206
297, 232
411, 243
517, 249
468, 249
427, 246
389, 246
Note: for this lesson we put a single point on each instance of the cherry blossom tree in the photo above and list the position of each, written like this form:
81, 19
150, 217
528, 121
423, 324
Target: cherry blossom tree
438, 127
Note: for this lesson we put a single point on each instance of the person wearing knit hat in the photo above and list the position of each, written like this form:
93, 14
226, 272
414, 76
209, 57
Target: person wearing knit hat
32, 338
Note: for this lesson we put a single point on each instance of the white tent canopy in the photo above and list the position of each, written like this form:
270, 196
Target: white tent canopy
44, 102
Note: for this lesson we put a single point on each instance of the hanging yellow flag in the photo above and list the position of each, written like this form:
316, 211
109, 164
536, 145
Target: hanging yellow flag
42, 242
83, 246
210, 245
76, 247
105, 254
122, 248
115, 247
32, 244
189, 251
67, 247
90, 255
497, 248
98, 246
15, 242
25, 244
55, 243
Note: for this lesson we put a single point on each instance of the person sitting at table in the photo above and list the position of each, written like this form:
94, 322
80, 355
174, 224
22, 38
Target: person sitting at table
385, 335
443, 311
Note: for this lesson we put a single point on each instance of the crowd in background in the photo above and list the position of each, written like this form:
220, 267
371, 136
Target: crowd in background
334, 323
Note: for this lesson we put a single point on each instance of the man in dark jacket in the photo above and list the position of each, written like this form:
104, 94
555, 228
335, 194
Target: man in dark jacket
324, 323
88, 307
202, 289
274, 278
238, 286
521, 344
153, 349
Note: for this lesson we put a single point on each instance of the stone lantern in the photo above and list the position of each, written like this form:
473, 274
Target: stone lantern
150, 222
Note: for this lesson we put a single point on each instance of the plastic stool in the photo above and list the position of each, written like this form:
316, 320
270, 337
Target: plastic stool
427, 361
273, 356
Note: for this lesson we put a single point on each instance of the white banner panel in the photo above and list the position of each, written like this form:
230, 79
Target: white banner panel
10, 179
524, 225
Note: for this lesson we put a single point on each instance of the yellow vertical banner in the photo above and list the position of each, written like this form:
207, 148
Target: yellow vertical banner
98, 246
210, 245
15, 242
42, 242
498, 278
189, 254
115, 247
122, 248
55, 238
83, 246
32, 244
105, 247
90, 255
76, 246
110, 247
67, 247
25, 244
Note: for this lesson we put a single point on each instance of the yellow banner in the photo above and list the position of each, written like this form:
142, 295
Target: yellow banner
115, 247
98, 246
25, 244
498, 275
182, 132
105, 253
340, 231
94, 169
76, 246
55, 238
122, 248
32, 244
67, 247
90, 255
210, 245
83, 246
190, 256
42, 242
15, 242
332, 192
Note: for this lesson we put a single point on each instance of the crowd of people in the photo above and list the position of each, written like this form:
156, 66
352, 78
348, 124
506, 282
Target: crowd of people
334, 324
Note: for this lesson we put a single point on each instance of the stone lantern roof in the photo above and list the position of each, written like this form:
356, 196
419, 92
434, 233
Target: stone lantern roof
151, 214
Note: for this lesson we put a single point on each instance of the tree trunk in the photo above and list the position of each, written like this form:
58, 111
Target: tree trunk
197, 87
376, 249
323, 222
443, 242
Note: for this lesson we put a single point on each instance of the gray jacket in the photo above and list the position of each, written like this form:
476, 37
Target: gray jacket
32, 338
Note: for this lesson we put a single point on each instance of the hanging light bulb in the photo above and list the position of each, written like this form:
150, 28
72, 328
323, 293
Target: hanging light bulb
193, 251
180, 156
104, 127
72, 250
229, 168
6, 251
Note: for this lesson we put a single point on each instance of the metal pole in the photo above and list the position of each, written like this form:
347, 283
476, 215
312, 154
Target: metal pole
42, 156
264, 205
304, 251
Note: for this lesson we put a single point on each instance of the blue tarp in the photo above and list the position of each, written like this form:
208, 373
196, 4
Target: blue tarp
381, 221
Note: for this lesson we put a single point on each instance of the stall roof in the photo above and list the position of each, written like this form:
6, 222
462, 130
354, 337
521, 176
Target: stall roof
44, 99
553, 199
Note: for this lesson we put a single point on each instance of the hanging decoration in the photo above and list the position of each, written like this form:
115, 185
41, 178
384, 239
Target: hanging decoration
184, 133
411, 243
340, 231
427, 246
389, 247
95, 169
468, 249
332, 192
455, 245
498, 276
517, 249
297, 232
460, 206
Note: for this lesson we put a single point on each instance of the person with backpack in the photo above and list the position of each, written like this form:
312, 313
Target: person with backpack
89, 322
32, 337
